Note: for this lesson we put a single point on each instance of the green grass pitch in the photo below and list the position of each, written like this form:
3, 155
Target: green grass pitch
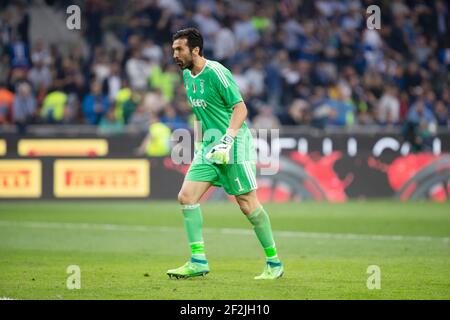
124, 248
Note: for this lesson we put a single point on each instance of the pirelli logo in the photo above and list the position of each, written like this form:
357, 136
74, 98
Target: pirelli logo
101, 178
62, 147
20, 178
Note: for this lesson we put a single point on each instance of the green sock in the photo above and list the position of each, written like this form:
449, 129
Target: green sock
261, 224
193, 222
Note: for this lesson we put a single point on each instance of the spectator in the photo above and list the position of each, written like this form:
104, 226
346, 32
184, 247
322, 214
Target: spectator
441, 23
40, 54
165, 80
54, 107
278, 54
442, 113
17, 76
389, 106
246, 34
140, 119
157, 141
138, 71
109, 124
4, 68
208, 26
437, 75
18, 54
419, 127
130, 106
172, 120
23, 25
40, 76
101, 67
112, 83
94, 15
422, 50
255, 77
163, 31
342, 111
298, 114
413, 78
224, 43
419, 113
152, 52
153, 102
291, 31
69, 78
274, 78
241, 81
56, 56
6, 29
262, 20
24, 107
95, 105
265, 119
6, 105
118, 103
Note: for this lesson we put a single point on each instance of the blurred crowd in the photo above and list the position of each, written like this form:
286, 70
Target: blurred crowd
297, 62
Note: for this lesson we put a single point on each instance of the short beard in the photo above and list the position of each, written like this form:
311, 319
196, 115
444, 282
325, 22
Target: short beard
189, 64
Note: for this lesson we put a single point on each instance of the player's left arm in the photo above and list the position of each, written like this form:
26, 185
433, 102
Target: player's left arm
220, 153
231, 96
237, 118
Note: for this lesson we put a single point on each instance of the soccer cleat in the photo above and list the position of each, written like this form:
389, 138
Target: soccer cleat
190, 269
219, 154
272, 271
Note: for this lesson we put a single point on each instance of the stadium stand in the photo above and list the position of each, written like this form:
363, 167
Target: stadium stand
298, 63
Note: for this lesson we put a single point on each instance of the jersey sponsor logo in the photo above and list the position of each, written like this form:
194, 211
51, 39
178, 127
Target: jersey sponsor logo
202, 86
197, 103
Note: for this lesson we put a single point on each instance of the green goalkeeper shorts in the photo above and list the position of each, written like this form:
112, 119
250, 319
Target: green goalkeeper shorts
235, 178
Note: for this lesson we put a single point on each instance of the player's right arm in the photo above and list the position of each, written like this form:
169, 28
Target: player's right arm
237, 118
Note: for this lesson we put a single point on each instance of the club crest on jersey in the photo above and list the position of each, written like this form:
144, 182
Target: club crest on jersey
202, 86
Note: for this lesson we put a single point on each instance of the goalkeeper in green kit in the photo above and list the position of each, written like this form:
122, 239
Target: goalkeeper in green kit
224, 154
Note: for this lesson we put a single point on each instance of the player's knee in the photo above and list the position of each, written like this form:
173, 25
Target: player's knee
185, 198
248, 204
244, 205
245, 208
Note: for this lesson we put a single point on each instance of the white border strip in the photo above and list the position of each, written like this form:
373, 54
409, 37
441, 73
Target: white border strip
235, 231
251, 174
220, 74
247, 175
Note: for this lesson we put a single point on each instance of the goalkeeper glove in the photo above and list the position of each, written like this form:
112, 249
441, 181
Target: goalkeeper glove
219, 154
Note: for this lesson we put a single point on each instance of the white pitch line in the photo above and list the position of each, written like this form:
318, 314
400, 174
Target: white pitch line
235, 231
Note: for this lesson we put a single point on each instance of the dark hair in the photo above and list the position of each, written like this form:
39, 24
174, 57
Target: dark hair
193, 36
